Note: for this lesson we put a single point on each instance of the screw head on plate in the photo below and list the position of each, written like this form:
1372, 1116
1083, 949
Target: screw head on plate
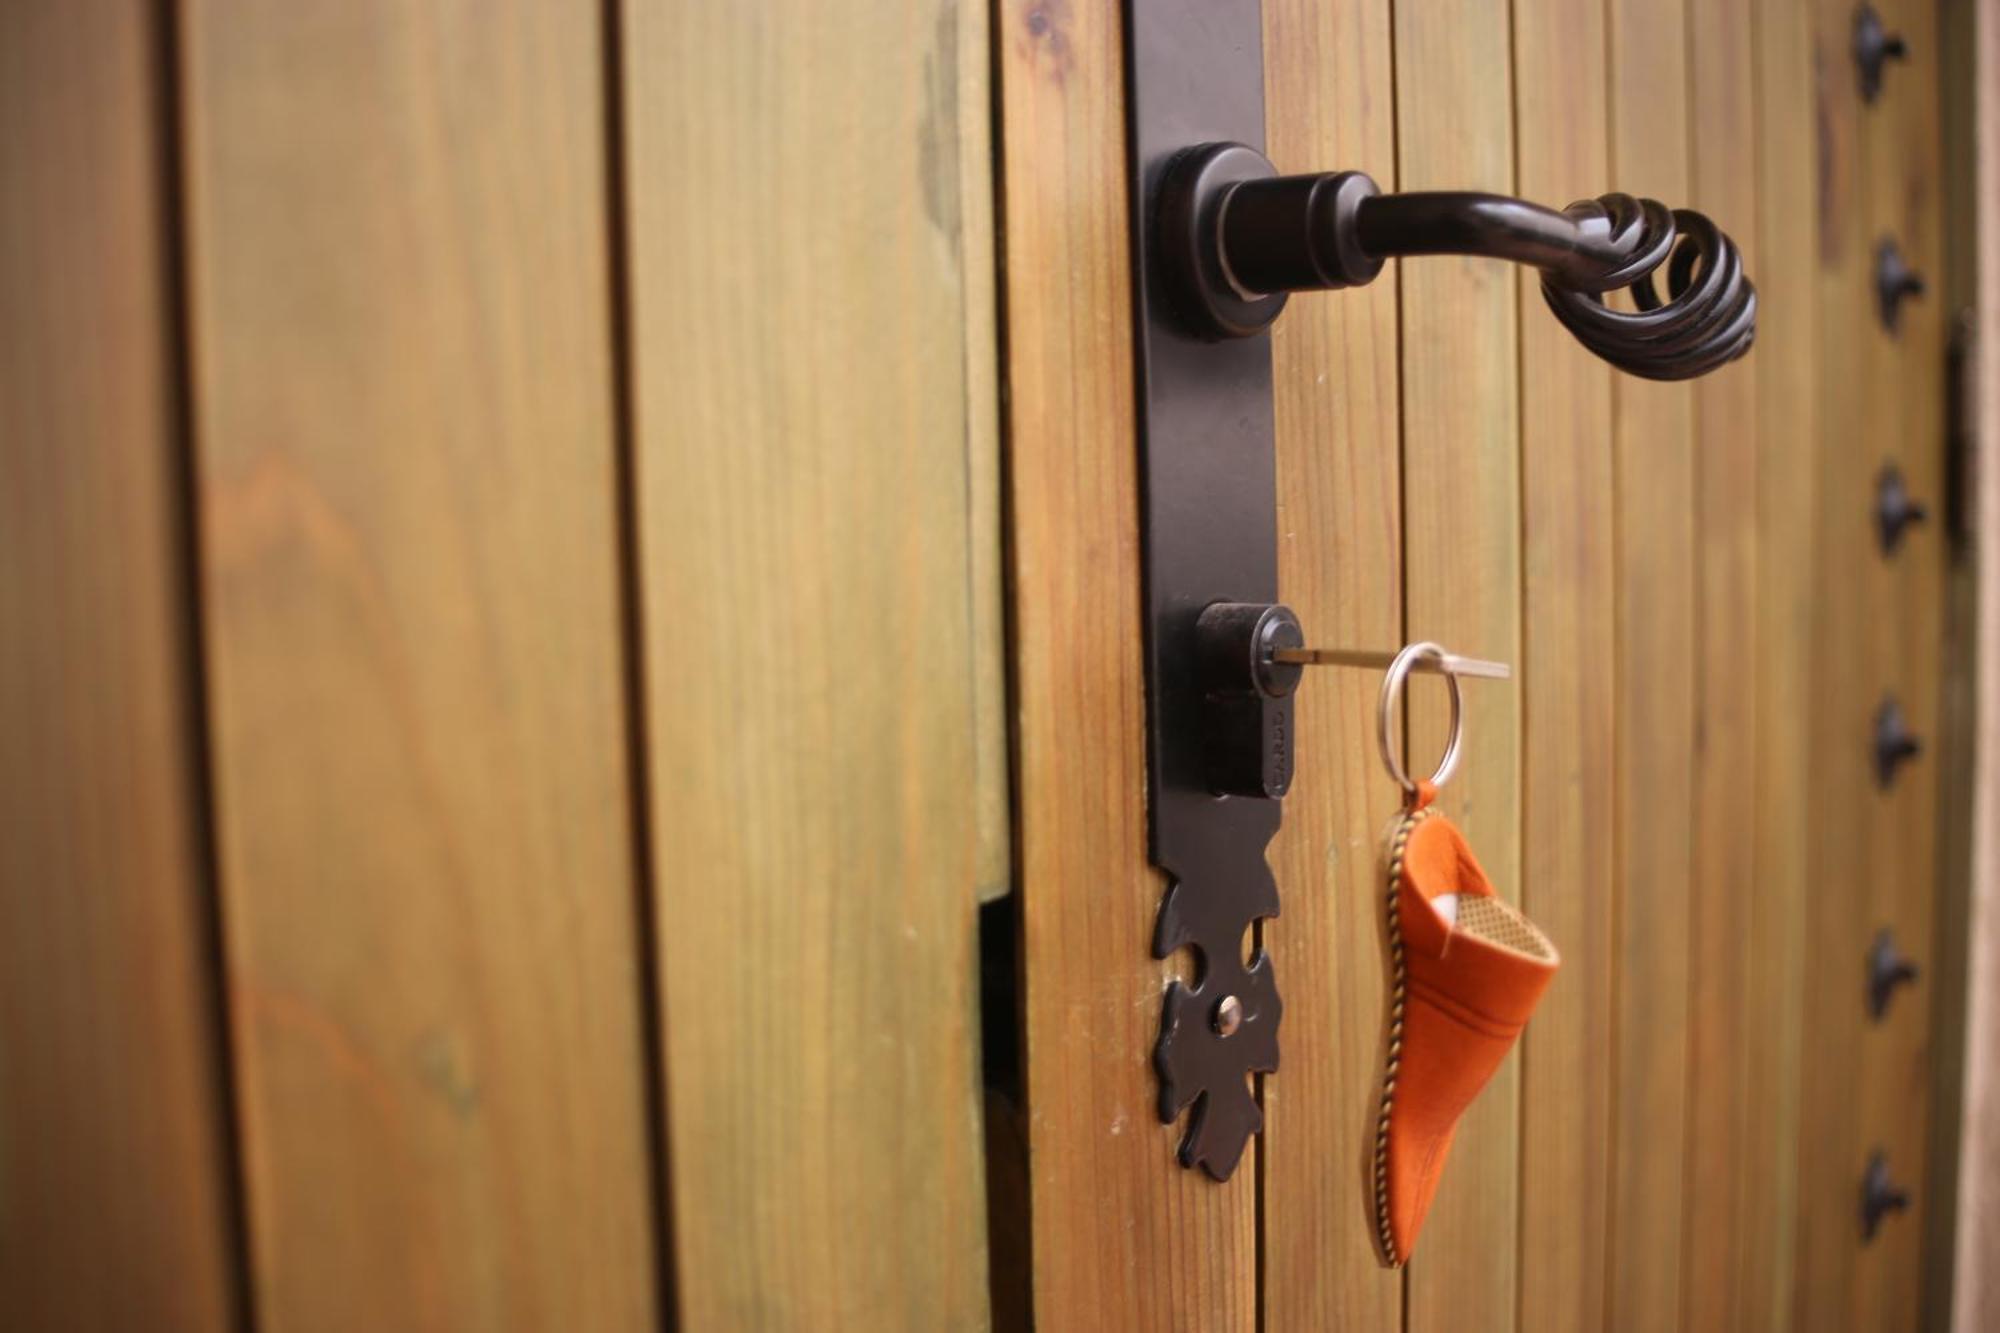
1228, 1015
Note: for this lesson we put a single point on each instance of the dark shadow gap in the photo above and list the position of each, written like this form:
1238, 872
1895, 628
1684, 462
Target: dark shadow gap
1009, 1239
1002, 957
625, 448
176, 262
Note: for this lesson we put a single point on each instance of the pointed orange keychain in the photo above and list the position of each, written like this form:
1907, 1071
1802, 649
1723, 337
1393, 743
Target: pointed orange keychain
1466, 971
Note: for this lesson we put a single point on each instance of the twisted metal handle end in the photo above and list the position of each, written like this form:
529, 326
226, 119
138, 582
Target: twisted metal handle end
1708, 315
1236, 238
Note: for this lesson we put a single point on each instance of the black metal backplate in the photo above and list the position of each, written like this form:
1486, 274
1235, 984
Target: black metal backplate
1195, 69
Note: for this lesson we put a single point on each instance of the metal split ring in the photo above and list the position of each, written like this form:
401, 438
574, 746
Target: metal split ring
1386, 712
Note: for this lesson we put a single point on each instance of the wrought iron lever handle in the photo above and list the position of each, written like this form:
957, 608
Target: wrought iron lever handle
1236, 238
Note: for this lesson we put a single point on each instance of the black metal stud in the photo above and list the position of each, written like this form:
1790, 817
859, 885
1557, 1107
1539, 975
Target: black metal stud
1887, 969
1895, 510
1895, 282
1894, 745
1879, 1195
1874, 47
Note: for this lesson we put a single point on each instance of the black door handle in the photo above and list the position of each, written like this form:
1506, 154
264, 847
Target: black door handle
1235, 239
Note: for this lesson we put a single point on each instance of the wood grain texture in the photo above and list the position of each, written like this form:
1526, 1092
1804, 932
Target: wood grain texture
807, 430
1722, 1031
967, 88
1783, 667
1123, 1237
1655, 691
1954, 926
1568, 537
1975, 1296
1847, 686
404, 397
1340, 567
1864, 1084
114, 1184
1873, 591
1462, 580
1905, 425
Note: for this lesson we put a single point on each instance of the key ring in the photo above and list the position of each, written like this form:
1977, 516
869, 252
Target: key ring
1385, 710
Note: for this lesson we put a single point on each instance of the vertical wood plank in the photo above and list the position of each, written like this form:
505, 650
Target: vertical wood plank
813, 353
977, 151
1327, 69
1653, 439
1879, 593
1123, 1237
1462, 583
404, 401
1955, 920
1568, 873
1975, 1296
114, 1180
1906, 427
1729, 632
1784, 666
1847, 686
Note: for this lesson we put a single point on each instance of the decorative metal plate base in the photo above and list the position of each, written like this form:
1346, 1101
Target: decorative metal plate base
1196, 77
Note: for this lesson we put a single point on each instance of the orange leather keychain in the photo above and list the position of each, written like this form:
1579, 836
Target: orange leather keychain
1466, 971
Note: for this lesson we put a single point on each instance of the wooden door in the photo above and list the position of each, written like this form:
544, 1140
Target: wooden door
1678, 786
572, 707
502, 577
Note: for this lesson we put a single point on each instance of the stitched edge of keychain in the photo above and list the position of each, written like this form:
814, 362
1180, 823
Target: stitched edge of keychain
1393, 1058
